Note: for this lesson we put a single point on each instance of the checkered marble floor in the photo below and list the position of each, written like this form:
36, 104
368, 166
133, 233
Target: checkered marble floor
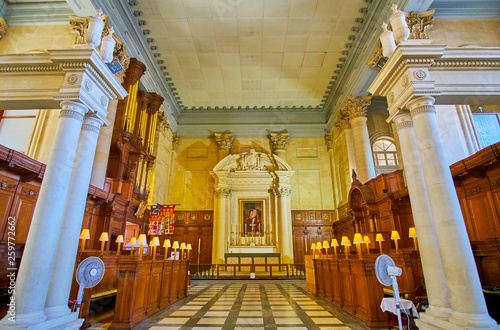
250, 305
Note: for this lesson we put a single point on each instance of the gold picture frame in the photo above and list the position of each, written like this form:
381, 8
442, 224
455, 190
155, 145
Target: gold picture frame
252, 216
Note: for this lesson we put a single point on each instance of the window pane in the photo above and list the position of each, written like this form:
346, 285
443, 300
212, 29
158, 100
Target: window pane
382, 162
391, 162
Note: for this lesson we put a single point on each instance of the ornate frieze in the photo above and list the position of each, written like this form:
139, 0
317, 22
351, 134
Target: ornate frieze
420, 23
224, 140
278, 140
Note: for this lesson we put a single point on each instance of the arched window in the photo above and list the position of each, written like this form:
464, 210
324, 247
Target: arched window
385, 156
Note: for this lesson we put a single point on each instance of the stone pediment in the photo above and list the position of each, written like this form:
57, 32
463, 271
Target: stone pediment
252, 161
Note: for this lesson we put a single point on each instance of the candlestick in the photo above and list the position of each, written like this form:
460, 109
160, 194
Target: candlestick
199, 245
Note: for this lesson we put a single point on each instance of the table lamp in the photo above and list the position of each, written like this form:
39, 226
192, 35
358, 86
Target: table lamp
189, 248
133, 240
85, 235
119, 240
175, 247
413, 234
345, 242
313, 248
367, 241
104, 238
395, 237
154, 243
183, 247
358, 239
166, 245
335, 243
379, 238
319, 246
142, 241
326, 246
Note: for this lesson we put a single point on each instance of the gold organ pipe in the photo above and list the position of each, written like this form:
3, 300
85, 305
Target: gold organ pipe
133, 111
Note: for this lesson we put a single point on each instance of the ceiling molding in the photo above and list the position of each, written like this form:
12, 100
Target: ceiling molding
37, 13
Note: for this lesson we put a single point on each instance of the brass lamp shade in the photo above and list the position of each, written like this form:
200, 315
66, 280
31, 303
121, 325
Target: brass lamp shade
85, 234
326, 245
104, 237
176, 245
155, 242
142, 239
166, 244
412, 232
133, 240
334, 242
183, 246
379, 238
345, 241
189, 247
119, 239
395, 235
358, 238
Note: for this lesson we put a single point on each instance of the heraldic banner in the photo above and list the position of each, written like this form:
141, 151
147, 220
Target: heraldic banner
161, 220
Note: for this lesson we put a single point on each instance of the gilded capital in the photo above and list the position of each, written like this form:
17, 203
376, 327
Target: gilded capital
329, 140
3, 28
163, 122
278, 140
420, 23
224, 140
175, 141
222, 192
357, 106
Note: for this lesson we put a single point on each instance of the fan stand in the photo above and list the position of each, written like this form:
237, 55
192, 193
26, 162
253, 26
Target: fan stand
395, 290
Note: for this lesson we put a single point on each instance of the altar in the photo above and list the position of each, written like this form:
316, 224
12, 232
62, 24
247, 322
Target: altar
254, 258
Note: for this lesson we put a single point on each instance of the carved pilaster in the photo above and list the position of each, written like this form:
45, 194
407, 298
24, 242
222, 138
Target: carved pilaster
175, 141
357, 106
3, 28
329, 140
224, 140
163, 122
278, 140
420, 23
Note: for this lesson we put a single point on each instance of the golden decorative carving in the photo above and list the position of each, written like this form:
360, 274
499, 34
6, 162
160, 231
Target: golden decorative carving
420, 23
224, 140
3, 28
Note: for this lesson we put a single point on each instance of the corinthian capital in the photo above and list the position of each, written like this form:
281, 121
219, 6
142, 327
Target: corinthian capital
175, 141
278, 140
284, 192
222, 192
224, 140
357, 106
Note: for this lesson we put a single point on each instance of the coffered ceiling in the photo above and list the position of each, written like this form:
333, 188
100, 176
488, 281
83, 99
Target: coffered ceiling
250, 53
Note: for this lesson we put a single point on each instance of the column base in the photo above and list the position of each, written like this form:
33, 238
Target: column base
427, 322
438, 312
21, 320
56, 312
67, 322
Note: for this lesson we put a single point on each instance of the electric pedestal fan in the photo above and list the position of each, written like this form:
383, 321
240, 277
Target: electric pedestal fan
88, 274
386, 272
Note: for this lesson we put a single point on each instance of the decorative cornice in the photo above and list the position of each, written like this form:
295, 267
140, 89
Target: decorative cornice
464, 64
278, 140
37, 68
224, 140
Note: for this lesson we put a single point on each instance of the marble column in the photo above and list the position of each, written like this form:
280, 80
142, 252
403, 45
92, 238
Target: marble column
220, 224
225, 143
437, 292
285, 225
103, 146
279, 142
61, 278
466, 296
470, 134
38, 257
357, 107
